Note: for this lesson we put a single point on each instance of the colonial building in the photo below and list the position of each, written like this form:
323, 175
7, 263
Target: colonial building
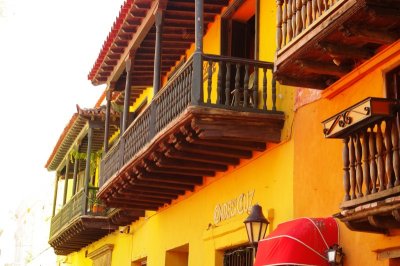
215, 106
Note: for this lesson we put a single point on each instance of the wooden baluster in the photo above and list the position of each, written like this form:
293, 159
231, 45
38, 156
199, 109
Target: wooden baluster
273, 94
326, 4
389, 154
246, 86
395, 143
284, 22
219, 82
359, 172
380, 154
255, 88
346, 174
294, 18
314, 9
237, 86
304, 13
228, 84
309, 12
372, 162
352, 158
209, 79
279, 25
264, 89
320, 7
365, 162
289, 21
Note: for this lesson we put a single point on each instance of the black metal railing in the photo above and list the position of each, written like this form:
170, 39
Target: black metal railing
206, 80
75, 207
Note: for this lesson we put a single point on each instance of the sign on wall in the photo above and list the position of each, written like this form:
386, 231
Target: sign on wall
233, 207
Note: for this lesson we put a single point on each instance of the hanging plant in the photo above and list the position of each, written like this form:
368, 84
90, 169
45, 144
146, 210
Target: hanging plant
94, 157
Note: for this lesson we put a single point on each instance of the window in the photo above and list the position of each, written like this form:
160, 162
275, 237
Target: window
393, 83
141, 262
178, 256
241, 256
101, 256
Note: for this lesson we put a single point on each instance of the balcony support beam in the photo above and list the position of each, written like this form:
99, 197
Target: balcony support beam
257, 31
370, 34
75, 177
87, 169
66, 181
125, 119
107, 119
343, 51
322, 68
159, 19
55, 195
199, 15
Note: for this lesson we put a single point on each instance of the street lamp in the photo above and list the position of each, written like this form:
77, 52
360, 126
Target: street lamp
335, 255
256, 225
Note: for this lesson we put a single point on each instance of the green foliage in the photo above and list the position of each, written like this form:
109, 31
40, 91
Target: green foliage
94, 157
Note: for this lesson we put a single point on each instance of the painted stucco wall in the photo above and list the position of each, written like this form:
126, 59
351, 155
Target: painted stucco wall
268, 176
318, 187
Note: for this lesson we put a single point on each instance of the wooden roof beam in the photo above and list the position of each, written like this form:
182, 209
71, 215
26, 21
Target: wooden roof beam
151, 167
345, 51
379, 36
290, 81
322, 68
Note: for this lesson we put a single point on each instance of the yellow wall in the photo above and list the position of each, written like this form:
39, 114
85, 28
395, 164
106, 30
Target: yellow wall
318, 188
190, 220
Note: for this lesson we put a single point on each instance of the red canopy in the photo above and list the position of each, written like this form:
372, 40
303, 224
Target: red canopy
302, 241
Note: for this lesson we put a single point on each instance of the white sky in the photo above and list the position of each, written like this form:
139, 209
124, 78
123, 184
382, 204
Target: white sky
47, 48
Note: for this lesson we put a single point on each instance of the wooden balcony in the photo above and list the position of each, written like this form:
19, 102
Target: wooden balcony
187, 133
319, 41
76, 225
371, 178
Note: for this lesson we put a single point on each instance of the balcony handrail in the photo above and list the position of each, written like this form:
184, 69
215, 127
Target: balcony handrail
67, 213
73, 208
181, 91
238, 60
371, 159
295, 16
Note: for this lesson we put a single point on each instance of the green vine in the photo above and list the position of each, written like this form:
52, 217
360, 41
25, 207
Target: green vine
94, 157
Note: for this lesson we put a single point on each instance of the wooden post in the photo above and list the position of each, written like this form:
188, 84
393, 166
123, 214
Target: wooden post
257, 31
75, 177
87, 168
372, 162
107, 120
346, 168
365, 162
125, 118
279, 24
359, 172
159, 17
55, 195
199, 10
66, 182
197, 83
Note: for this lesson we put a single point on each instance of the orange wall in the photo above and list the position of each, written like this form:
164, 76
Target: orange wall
318, 189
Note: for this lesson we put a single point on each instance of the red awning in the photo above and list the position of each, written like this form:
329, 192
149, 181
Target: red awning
302, 241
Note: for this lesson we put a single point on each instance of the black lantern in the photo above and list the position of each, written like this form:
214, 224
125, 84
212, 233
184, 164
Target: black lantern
256, 225
335, 255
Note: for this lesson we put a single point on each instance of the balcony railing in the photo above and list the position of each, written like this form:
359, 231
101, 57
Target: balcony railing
77, 206
371, 160
320, 41
221, 82
295, 16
